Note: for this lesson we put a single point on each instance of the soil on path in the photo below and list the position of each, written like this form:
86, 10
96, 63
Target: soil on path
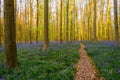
85, 67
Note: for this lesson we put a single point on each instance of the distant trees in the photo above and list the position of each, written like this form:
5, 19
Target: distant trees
68, 20
10, 33
87, 21
116, 23
46, 34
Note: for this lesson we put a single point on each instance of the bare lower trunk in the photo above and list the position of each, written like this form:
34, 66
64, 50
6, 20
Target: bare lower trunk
31, 20
10, 33
46, 39
0, 27
37, 23
116, 23
94, 22
67, 20
61, 21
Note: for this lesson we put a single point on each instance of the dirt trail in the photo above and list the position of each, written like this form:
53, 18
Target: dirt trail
85, 68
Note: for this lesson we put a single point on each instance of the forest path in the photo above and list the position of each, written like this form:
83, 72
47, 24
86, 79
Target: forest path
85, 67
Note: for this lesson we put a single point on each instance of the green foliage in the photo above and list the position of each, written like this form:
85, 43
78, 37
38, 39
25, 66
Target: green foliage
107, 60
34, 64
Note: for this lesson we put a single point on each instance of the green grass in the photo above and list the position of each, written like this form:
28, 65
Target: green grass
34, 64
107, 60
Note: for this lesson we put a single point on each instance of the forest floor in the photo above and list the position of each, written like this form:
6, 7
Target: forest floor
61, 60
86, 69
57, 63
106, 57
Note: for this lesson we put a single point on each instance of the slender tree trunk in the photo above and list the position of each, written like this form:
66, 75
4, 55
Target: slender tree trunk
0, 27
89, 15
57, 33
94, 21
108, 19
71, 29
25, 35
28, 25
10, 33
60, 21
76, 25
20, 24
74, 21
37, 22
64, 34
31, 20
116, 23
71, 23
46, 36
67, 20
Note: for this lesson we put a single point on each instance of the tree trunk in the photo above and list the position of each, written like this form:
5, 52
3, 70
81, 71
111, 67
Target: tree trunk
67, 20
46, 36
25, 33
10, 34
116, 23
61, 21
31, 20
0, 27
57, 19
108, 20
37, 22
89, 16
71, 28
74, 21
94, 22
